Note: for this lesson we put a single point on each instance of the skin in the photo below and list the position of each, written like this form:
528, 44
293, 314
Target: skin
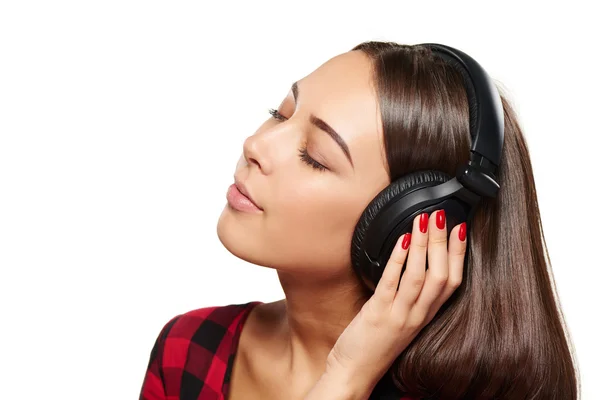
306, 227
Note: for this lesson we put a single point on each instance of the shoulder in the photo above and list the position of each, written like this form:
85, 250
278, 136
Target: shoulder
202, 331
210, 321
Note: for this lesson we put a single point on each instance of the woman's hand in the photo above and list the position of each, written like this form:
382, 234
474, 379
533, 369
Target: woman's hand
393, 316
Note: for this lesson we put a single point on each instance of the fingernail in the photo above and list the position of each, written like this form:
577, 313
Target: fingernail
423, 222
406, 241
440, 219
462, 232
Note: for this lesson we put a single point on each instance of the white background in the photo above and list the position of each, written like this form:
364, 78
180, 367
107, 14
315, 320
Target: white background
120, 126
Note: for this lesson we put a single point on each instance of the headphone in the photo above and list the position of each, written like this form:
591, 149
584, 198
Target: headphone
391, 213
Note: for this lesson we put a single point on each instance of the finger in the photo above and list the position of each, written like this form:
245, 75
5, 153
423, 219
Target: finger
414, 274
456, 259
388, 284
437, 261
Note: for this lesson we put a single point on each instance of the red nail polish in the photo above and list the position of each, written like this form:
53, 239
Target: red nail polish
423, 222
440, 219
406, 241
462, 232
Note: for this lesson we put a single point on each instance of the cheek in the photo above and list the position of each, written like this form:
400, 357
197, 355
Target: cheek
318, 205
315, 217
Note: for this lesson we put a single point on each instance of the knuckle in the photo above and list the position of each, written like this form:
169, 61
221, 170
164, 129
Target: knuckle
418, 281
462, 250
454, 283
458, 252
419, 244
388, 284
399, 323
397, 258
430, 316
439, 280
437, 239
415, 323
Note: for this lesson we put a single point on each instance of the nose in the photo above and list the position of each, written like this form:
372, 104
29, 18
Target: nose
252, 152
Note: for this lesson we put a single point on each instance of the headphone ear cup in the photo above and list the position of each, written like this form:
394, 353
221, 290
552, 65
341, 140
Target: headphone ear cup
399, 188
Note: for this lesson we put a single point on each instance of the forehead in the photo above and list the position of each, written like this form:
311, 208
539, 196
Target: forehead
341, 92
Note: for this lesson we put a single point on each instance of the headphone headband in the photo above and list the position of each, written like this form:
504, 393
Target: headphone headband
486, 114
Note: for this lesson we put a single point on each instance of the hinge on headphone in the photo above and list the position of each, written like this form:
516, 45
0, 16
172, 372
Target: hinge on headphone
478, 176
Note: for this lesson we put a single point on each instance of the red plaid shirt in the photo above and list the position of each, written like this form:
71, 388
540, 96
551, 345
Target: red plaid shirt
193, 356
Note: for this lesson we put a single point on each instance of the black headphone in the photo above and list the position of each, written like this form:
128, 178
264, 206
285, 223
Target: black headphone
390, 214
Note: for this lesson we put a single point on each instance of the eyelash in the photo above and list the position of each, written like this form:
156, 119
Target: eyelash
303, 153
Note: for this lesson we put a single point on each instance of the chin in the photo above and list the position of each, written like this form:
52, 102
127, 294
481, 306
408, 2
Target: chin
239, 237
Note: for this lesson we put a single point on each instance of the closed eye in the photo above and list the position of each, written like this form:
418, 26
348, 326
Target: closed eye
303, 151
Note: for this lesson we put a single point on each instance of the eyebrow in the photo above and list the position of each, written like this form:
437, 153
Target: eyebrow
324, 126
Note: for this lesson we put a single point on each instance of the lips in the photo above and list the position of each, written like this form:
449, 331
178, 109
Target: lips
243, 190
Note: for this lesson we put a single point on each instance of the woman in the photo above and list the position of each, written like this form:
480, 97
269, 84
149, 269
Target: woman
490, 328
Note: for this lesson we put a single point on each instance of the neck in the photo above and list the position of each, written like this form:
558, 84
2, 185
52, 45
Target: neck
315, 313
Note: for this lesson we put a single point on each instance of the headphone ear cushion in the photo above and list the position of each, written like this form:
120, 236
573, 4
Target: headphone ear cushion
400, 187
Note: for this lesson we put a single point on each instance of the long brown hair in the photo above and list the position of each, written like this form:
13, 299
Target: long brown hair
502, 334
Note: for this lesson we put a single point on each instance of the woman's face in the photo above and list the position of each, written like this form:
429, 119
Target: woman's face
309, 214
